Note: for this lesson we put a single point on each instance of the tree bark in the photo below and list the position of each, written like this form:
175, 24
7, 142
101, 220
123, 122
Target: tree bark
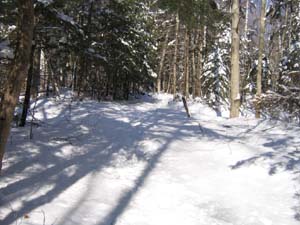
260, 58
18, 73
26, 103
247, 19
244, 60
194, 71
175, 55
186, 63
162, 59
36, 73
235, 67
186, 107
199, 68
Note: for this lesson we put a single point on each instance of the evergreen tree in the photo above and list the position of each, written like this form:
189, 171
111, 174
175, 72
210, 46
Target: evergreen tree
216, 72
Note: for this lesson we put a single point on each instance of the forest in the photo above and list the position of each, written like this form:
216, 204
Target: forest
90, 63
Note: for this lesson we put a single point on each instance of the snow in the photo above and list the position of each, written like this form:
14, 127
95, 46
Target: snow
66, 18
146, 163
125, 42
5, 50
46, 2
171, 43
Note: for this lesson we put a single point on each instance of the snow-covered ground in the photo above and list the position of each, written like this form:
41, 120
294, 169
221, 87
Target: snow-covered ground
146, 163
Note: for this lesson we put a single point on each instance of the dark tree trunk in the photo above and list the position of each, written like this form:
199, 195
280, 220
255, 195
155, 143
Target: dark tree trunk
36, 73
18, 73
26, 103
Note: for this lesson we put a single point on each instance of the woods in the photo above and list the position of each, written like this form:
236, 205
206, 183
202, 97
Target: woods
215, 51
149, 112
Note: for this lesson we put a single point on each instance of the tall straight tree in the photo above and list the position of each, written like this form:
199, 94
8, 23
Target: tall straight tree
162, 58
186, 62
235, 58
260, 57
18, 73
175, 55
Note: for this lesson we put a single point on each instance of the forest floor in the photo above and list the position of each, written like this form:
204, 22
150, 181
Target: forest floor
146, 163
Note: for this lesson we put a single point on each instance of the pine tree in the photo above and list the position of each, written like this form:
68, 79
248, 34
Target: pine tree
216, 72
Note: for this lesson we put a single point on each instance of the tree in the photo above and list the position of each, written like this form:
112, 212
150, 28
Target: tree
194, 15
175, 55
215, 79
235, 67
260, 58
162, 58
19, 71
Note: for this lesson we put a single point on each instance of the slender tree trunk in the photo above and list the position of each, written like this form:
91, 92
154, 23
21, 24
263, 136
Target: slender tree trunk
247, 19
19, 71
194, 72
244, 60
83, 61
36, 73
162, 59
260, 57
199, 68
74, 73
175, 55
53, 78
235, 67
26, 103
48, 75
169, 84
186, 63
284, 36
81, 75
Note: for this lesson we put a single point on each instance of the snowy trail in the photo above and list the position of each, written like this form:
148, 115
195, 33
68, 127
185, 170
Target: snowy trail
147, 164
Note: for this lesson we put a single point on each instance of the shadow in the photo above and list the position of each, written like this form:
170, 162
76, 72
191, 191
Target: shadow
282, 155
94, 133
251, 129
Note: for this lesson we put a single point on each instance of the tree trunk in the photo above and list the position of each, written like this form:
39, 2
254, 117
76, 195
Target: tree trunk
26, 103
169, 84
235, 67
162, 59
48, 80
74, 73
260, 57
247, 19
199, 68
175, 55
36, 73
53, 78
194, 72
244, 60
18, 73
186, 107
186, 63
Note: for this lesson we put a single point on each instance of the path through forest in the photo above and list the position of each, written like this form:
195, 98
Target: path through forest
146, 163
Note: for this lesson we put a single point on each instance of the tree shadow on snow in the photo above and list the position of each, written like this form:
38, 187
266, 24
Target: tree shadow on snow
95, 134
284, 155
